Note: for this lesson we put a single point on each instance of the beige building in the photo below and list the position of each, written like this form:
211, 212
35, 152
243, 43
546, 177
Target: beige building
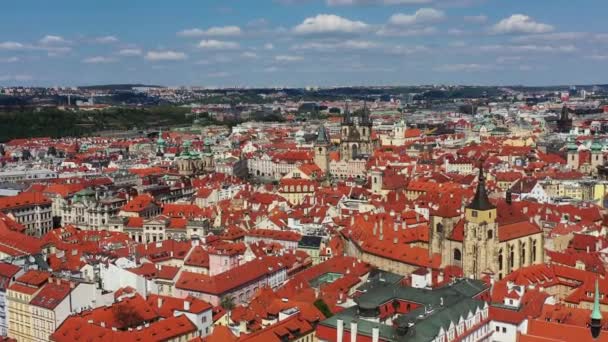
480, 244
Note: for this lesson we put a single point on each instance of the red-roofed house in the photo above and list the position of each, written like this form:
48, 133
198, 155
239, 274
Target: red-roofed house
31, 209
240, 283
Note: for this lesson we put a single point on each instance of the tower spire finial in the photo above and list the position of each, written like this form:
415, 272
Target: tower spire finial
596, 314
481, 200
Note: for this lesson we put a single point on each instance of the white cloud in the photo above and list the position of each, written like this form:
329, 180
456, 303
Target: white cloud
288, 58
11, 46
17, 78
106, 39
508, 59
344, 45
528, 48
212, 31
520, 23
98, 60
456, 32
421, 16
268, 46
598, 57
54, 51
217, 45
476, 19
53, 40
130, 52
165, 55
376, 2
329, 23
219, 74
249, 54
9, 60
556, 36
408, 50
463, 67
412, 32
271, 69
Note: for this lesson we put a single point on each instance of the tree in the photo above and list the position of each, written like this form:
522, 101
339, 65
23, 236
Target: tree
126, 316
228, 304
323, 307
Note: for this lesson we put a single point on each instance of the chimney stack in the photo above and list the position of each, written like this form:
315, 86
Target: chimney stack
340, 330
353, 331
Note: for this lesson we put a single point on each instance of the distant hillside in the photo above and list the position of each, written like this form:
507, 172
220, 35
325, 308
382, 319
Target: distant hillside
117, 86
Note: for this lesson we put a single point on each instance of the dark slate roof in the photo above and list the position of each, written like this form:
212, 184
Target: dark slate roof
310, 241
481, 201
322, 136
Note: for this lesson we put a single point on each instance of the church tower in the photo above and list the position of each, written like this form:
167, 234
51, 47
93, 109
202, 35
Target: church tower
160, 144
480, 232
572, 152
377, 178
564, 124
346, 131
322, 150
597, 156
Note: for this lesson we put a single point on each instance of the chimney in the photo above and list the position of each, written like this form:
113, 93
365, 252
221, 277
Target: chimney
340, 330
160, 301
103, 324
352, 220
186, 305
353, 331
376, 334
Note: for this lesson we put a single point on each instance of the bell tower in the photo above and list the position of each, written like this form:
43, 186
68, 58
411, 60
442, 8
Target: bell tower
322, 150
480, 232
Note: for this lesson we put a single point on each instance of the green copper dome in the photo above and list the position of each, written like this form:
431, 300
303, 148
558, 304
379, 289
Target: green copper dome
571, 146
596, 146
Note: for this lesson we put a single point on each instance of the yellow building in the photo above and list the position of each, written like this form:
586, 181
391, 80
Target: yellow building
18, 298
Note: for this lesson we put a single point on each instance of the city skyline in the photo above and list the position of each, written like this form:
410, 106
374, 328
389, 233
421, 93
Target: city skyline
296, 43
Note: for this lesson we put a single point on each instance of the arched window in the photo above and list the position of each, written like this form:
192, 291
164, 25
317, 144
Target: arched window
439, 228
355, 150
500, 262
523, 253
533, 251
490, 234
512, 256
457, 254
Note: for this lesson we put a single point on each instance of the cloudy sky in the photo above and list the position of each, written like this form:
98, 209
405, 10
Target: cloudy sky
303, 42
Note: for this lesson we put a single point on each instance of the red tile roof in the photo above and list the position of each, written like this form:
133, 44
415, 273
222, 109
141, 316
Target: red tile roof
231, 279
24, 199
77, 328
52, 294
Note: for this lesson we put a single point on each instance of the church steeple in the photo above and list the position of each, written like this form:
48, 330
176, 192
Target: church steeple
365, 118
347, 119
596, 314
322, 138
481, 201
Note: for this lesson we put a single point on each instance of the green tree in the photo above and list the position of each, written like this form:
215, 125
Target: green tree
323, 307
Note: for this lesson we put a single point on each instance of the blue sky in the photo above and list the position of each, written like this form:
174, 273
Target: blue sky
303, 42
